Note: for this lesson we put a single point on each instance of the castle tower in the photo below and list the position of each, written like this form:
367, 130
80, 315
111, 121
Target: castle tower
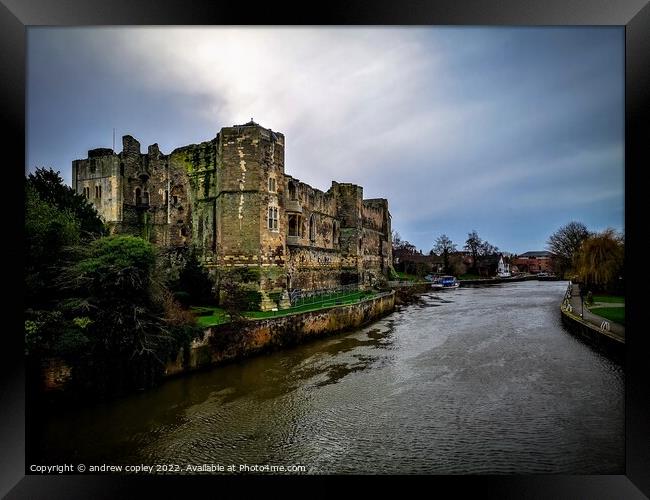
98, 179
250, 187
349, 208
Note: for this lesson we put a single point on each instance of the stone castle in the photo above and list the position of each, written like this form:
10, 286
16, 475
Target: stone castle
230, 199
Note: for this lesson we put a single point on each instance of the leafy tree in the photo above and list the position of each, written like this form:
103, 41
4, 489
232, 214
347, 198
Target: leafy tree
194, 281
51, 189
565, 244
112, 280
443, 247
112, 283
93, 301
49, 230
235, 298
600, 260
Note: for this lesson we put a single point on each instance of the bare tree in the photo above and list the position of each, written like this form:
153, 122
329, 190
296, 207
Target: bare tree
565, 244
473, 245
443, 247
487, 249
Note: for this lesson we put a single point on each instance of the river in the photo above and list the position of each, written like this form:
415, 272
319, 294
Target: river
477, 380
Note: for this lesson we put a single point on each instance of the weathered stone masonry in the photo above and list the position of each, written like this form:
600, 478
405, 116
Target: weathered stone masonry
230, 199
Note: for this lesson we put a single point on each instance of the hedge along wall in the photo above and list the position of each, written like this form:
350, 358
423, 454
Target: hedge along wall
233, 341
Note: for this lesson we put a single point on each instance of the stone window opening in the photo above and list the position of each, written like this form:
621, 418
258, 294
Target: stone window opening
271, 185
87, 192
145, 198
335, 233
175, 198
294, 225
292, 191
273, 218
122, 169
166, 197
98, 192
138, 196
312, 228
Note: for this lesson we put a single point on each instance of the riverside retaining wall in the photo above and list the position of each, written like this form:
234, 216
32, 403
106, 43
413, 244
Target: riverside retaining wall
232, 341
602, 340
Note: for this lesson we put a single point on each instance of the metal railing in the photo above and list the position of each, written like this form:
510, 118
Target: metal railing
299, 297
566, 303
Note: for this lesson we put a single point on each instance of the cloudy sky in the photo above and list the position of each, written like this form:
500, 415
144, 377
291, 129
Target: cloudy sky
511, 132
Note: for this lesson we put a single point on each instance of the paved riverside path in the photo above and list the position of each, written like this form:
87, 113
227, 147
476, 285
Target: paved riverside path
614, 328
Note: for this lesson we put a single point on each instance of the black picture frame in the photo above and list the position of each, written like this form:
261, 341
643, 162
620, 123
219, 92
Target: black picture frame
16, 15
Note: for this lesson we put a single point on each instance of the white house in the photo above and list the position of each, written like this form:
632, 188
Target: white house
503, 269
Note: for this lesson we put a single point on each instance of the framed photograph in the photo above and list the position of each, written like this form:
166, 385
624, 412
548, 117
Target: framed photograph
261, 245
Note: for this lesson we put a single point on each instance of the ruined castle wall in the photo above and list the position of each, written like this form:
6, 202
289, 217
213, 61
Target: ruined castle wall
310, 268
316, 213
98, 177
376, 246
349, 201
193, 193
315, 258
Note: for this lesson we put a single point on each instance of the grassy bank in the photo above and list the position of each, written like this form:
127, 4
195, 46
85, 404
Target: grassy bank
211, 316
615, 314
407, 277
609, 299
469, 277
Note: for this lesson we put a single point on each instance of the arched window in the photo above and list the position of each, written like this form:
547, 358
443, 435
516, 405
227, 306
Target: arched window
138, 196
271, 184
292, 191
312, 228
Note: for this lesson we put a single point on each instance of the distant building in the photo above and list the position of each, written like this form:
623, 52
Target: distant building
503, 268
535, 262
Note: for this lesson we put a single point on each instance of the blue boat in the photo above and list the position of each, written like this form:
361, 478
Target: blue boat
444, 282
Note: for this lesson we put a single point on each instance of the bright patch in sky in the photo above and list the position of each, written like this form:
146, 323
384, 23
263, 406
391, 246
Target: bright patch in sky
512, 132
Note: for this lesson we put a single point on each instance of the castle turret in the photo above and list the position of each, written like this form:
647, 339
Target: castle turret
250, 186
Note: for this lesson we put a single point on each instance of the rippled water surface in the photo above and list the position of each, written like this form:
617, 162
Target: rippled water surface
473, 380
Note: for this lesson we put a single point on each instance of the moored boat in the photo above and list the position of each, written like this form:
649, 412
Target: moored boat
444, 282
